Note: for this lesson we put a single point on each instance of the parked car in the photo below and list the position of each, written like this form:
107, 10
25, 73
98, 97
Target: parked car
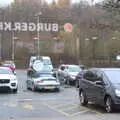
68, 73
8, 80
101, 86
42, 80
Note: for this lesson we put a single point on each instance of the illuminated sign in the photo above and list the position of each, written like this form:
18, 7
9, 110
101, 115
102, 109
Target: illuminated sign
68, 27
23, 26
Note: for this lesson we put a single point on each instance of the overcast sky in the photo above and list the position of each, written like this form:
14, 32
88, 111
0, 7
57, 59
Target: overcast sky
6, 2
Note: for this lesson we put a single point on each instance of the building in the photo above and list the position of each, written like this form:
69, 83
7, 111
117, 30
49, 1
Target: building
30, 1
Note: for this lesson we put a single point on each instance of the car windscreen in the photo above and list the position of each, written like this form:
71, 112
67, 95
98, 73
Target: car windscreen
47, 62
5, 71
44, 75
7, 64
113, 75
74, 69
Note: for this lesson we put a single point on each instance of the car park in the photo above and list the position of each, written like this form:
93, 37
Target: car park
8, 80
68, 73
101, 86
42, 80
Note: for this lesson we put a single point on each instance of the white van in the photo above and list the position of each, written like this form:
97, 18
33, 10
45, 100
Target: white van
47, 62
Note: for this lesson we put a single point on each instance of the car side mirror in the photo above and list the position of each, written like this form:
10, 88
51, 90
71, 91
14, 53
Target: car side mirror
99, 83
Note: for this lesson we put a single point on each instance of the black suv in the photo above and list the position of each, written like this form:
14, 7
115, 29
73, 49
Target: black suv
101, 86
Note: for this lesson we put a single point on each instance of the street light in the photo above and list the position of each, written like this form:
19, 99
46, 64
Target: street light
2, 33
38, 32
13, 45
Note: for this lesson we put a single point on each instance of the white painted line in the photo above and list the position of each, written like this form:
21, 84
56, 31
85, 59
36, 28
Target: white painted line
59, 111
69, 108
64, 104
77, 113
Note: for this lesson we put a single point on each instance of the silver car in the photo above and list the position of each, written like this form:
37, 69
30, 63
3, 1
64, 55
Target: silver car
42, 80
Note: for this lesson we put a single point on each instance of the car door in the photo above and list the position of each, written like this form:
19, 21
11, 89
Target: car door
98, 88
88, 83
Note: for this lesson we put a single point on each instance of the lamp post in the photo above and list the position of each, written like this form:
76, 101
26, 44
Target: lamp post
38, 33
13, 45
2, 33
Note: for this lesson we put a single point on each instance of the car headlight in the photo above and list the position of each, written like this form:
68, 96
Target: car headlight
117, 92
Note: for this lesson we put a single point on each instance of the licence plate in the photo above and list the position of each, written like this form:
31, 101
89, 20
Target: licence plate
49, 87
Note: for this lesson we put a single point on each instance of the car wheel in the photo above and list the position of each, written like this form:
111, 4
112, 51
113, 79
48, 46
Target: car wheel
67, 82
77, 84
15, 90
57, 90
82, 97
33, 88
27, 86
108, 105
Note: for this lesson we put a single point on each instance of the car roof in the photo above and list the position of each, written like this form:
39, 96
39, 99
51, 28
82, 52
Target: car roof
107, 69
68, 65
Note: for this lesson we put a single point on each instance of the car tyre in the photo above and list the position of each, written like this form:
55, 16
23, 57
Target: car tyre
67, 82
108, 105
33, 88
15, 90
82, 97
77, 84
57, 90
27, 86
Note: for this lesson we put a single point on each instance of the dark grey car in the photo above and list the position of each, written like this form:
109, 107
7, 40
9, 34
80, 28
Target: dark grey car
101, 86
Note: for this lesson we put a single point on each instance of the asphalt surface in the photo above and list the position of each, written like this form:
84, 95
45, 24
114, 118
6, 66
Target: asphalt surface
48, 105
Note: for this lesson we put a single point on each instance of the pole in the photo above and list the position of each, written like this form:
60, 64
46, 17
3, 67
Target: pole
38, 35
2, 34
78, 48
13, 47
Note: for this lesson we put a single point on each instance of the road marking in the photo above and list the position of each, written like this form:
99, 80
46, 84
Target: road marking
77, 113
63, 105
70, 108
93, 110
30, 107
59, 111
62, 112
